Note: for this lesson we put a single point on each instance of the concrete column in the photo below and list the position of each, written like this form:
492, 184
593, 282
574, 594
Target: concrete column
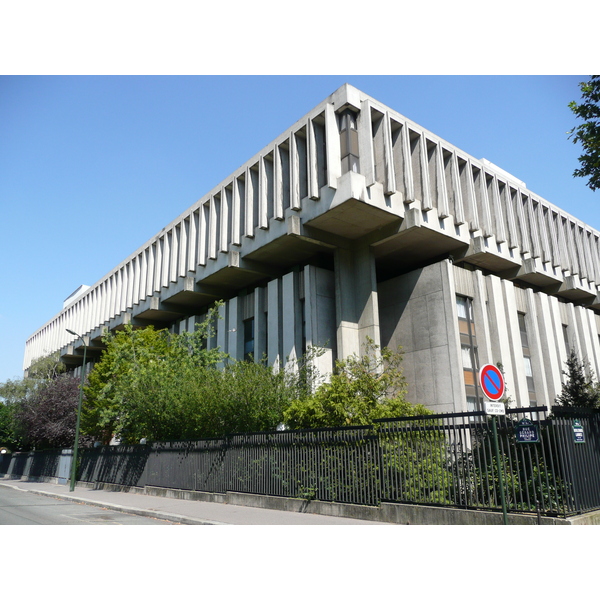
273, 322
535, 334
501, 341
220, 325
235, 331
515, 361
332, 147
551, 343
480, 316
291, 322
319, 306
357, 313
586, 332
260, 324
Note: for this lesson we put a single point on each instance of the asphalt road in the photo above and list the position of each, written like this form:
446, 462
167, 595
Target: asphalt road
22, 508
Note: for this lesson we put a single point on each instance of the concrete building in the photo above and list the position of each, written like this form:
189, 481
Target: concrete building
358, 222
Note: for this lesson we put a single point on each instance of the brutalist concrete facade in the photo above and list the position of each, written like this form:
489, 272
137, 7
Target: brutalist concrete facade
357, 222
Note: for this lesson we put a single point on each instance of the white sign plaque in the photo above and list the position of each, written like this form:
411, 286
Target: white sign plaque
495, 408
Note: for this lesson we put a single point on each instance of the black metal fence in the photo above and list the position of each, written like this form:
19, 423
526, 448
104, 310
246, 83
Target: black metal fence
42, 464
442, 460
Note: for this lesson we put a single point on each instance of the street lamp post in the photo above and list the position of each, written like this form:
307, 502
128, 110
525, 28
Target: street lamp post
76, 444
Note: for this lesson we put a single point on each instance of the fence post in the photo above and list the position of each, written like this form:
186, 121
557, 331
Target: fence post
500, 470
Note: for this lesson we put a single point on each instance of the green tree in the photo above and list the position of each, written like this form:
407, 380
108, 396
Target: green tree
18, 391
8, 435
126, 352
161, 386
361, 389
47, 417
588, 133
579, 389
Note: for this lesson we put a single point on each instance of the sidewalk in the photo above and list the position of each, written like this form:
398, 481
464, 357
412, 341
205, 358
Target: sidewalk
186, 512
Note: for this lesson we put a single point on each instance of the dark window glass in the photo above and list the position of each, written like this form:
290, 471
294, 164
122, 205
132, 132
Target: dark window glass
249, 339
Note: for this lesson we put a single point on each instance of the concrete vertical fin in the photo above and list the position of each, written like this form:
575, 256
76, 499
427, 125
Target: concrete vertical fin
499, 229
313, 166
365, 143
224, 221
442, 192
471, 202
390, 177
409, 183
294, 174
203, 215
459, 211
332, 147
426, 203
536, 250
513, 238
277, 184
249, 204
263, 214
212, 229
484, 205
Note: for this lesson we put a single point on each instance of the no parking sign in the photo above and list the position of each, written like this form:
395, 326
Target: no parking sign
492, 382
492, 385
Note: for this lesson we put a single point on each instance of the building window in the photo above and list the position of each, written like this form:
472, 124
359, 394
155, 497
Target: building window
523, 330
565, 329
529, 374
468, 343
303, 310
249, 339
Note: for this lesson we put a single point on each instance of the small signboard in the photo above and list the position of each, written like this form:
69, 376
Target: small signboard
494, 408
492, 382
578, 435
526, 432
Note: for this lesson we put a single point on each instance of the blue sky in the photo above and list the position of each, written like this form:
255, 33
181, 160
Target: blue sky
91, 167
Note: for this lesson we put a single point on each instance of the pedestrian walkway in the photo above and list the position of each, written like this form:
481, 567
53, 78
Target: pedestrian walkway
187, 512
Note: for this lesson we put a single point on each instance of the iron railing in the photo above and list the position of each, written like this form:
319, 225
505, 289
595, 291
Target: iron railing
442, 460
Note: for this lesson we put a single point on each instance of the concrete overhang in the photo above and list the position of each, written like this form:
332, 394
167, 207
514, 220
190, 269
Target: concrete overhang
595, 303
414, 243
72, 353
534, 272
485, 254
353, 219
575, 290
155, 309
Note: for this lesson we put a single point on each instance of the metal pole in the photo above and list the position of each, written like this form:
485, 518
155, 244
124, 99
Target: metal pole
500, 471
76, 444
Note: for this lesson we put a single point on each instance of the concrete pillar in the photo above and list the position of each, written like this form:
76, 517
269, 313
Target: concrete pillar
551, 344
319, 306
535, 336
273, 322
291, 323
500, 337
261, 329
357, 313
235, 331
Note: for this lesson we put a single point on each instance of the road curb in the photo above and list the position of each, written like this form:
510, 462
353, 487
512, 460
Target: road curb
140, 512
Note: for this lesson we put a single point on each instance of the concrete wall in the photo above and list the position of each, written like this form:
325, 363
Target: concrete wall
418, 312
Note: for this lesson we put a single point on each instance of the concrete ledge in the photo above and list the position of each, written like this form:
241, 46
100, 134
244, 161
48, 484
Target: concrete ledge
55, 480
316, 507
401, 514
187, 495
592, 518
408, 514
